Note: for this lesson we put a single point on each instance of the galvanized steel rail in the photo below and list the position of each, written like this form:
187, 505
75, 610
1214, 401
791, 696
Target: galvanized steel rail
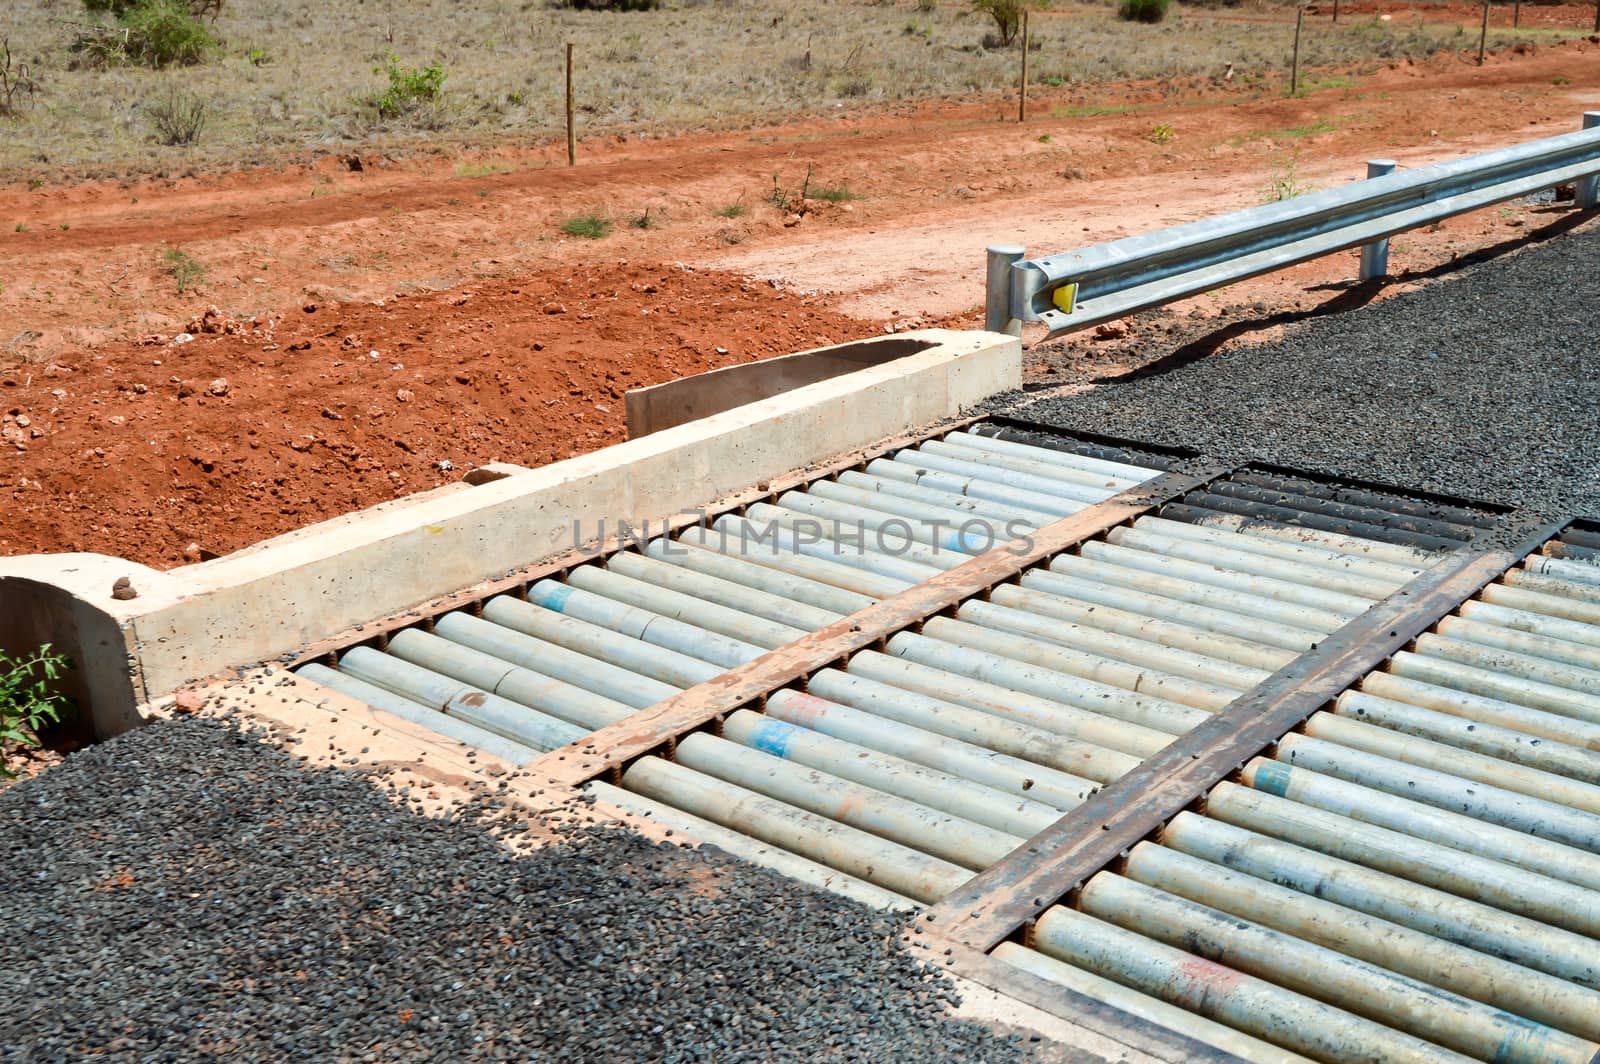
1078, 289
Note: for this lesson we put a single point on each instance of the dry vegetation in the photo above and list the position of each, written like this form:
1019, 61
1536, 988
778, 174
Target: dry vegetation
294, 75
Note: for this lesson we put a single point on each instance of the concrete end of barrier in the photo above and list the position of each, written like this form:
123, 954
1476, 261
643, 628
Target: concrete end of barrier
271, 599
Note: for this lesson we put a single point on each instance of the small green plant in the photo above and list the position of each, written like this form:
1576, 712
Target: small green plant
409, 87
736, 209
178, 117
28, 697
587, 226
1559, 81
1044, 138
1007, 16
1285, 182
186, 272
1160, 133
1150, 11
646, 220
35, 184
257, 56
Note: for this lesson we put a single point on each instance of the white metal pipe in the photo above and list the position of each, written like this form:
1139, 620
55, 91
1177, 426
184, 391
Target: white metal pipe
579, 636
990, 509
891, 775
854, 852
1499, 745
642, 624
1537, 624
626, 681
973, 487
1015, 677
1487, 710
1426, 786
750, 574
889, 531
1577, 572
1485, 866
1252, 1005
1216, 574
1346, 957
1133, 474
1393, 553
785, 558
490, 712
961, 464
1544, 647
1521, 598
1278, 548
1576, 590
851, 543
1185, 590
1510, 663
1099, 594
912, 824
700, 831
1018, 707
1134, 650
570, 702
1438, 913
1145, 1007
1473, 680
917, 510
1049, 470
795, 613
385, 700
1329, 576
735, 624
1075, 759
1066, 661
1079, 615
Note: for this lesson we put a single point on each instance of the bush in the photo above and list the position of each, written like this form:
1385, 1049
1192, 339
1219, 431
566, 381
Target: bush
156, 33
28, 700
409, 87
587, 226
1142, 10
1007, 15
117, 8
615, 5
178, 117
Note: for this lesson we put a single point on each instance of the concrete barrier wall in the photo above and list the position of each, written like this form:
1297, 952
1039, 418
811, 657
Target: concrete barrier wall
271, 599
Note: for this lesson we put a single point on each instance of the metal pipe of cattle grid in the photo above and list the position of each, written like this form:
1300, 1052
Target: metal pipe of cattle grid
1392, 553
1329, 576
1184, 589
1064, 661
1051, 716
1068, 584
1505, 886
1431, 509
1478, 681
642, 625
1279, 548
890, 775
1252, 1005
1467, 832
622, 678
995, 445
1358, 515
1501, 638
911, 824
1014, 678
1470, 979
1577, 572
1079, 615
1486, 710
572, 703
789, 561
892, 525
852, 543
737, 570
1026, 779
1134, 650
735, 624
978, 532
1198, 505
961, 464
849, 850
454, 698
972, 487
1578, 590
1440, 914
1401, 766
1074, 758
1498, 744
735, 596
1049, 470
1216, 574
961, 503
1511, 663
997, 288
581, 637
1531, 623
737, 844
381, 698
1536, 601
1145, 1007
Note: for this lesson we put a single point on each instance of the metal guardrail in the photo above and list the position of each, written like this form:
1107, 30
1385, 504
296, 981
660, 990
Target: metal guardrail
1077, 289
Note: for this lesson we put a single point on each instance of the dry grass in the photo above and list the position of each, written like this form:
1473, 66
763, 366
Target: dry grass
292, 70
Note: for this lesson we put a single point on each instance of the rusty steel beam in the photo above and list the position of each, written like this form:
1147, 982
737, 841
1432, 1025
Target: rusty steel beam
997, 903
657, 727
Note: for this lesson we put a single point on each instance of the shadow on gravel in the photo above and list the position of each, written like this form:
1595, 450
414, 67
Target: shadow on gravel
1352, 296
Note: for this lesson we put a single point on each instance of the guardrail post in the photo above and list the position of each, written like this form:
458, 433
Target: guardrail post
1375, 256
997, 289
1588, 188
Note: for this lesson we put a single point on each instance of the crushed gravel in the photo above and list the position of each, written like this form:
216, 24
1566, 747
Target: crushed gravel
1483, 385
187, 891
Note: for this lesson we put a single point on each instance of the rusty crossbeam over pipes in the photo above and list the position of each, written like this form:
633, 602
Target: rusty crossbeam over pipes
611, 748
996, 903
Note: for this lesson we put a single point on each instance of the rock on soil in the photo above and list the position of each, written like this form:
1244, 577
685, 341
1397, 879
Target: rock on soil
188, 891
1483, 385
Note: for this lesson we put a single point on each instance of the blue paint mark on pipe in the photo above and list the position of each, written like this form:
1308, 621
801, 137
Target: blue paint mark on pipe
1273, 778
550, 596
772, 736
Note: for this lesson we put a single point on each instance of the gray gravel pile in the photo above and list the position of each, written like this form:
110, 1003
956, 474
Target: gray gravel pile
186, 891
1484, 385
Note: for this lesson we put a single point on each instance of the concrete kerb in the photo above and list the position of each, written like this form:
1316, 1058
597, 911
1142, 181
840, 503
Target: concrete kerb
268, 600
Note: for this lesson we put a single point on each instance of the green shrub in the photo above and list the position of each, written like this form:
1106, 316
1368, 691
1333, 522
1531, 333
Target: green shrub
409, 87
1007, 15
163, 33
1142, 10
185, 270
587, 226
28, 699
